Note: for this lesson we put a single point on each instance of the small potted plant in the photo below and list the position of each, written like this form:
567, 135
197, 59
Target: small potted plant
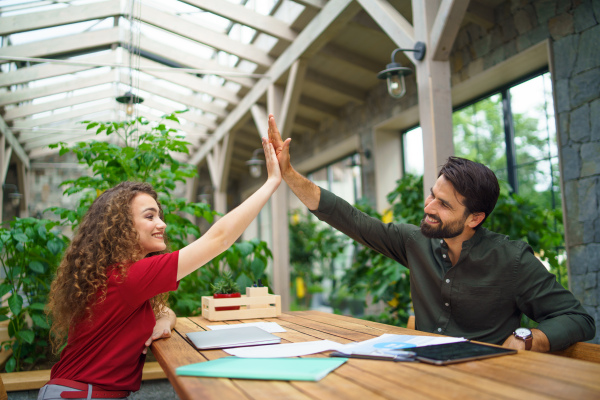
225, 287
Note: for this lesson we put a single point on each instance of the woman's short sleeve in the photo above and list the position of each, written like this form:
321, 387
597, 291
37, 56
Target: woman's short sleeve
150, 277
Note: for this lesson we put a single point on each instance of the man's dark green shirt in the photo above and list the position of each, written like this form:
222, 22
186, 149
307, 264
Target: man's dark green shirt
483, 296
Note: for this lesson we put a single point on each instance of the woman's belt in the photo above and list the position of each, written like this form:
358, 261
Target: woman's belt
97, 393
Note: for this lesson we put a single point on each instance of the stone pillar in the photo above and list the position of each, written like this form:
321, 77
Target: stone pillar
576, 74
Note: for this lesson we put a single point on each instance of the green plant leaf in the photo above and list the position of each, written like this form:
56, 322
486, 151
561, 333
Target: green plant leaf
55, 245
37, 306
40, 321
5, 288
15, 303
37, 267
11, 364
27, 336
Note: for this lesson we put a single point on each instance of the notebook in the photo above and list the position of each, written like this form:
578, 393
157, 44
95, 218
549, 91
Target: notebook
221, 339
450, 353
286, 369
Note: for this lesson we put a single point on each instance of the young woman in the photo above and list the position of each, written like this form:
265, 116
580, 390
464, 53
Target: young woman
110, 291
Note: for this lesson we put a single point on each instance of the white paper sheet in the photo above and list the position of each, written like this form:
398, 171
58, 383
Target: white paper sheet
284, 350
271, 327
389, 341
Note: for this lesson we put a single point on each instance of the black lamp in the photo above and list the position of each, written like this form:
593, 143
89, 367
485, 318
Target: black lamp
130, 99
394, 72
14, 196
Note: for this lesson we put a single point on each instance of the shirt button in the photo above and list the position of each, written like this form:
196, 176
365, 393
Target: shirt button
446, 304
447, 280
442, 241
439, 329
443, 255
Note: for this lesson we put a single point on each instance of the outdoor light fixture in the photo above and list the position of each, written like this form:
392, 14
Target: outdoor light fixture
395, 72
130, 99
255, 164
15, 196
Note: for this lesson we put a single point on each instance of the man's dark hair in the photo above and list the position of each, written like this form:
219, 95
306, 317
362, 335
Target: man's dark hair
475, 182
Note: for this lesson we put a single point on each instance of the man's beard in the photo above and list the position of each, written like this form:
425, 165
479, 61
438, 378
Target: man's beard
442, 231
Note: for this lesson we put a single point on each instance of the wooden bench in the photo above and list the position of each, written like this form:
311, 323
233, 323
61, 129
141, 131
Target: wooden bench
581, 351
31, 380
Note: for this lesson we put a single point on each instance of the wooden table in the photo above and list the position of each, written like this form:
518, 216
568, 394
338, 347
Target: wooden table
525, 375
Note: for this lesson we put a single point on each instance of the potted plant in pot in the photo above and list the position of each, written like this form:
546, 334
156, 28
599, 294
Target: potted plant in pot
225, 287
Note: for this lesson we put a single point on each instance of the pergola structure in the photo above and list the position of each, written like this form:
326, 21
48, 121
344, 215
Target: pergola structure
228, 63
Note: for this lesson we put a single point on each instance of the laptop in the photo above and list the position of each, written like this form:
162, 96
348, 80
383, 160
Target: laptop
235, 337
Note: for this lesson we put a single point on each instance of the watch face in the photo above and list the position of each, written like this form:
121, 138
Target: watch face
522, 332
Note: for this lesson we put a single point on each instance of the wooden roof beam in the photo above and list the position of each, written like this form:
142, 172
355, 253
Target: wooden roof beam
445, 28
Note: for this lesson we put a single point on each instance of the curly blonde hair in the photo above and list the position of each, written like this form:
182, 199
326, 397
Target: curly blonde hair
106, 239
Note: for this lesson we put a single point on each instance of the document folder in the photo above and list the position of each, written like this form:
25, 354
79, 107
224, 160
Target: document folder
286, 369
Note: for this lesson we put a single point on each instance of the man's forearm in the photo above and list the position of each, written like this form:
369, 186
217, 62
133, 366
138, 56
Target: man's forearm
303, 188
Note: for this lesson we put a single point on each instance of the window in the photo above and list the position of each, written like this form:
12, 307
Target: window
513, 132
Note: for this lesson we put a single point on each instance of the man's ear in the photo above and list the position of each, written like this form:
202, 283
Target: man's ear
475, 219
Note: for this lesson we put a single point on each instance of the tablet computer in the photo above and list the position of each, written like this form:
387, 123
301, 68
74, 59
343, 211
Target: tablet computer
450, 353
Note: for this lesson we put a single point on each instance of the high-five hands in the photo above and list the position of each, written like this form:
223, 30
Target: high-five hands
282, 149
273, 170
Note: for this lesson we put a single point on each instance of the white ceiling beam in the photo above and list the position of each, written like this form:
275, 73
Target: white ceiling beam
392, 22
245, 16
31, 109
196, 32
317, 4
188, 116
190, 60
63, 116
259, 116
62, 16
14, 144
189, 100
27, 94
66, 44
292, 96
348, 57
445, 28
49, 70
316, 34
190, 81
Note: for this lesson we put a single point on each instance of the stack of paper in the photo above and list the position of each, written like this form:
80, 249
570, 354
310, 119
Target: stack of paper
286, 369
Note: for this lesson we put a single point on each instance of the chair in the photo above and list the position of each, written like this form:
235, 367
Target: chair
581, 351
411, 322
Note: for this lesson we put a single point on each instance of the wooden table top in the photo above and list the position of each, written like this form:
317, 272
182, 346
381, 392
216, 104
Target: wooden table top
525, 375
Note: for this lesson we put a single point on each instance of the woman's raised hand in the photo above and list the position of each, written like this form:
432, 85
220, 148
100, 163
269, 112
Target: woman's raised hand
273, 170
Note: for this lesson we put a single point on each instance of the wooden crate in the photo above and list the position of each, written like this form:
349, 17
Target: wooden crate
250, 307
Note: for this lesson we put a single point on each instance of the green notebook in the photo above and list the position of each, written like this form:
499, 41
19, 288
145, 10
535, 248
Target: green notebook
285, 369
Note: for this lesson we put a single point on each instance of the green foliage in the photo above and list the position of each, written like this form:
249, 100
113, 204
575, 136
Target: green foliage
246, 262
523, 219
31, 252
314, 247
146, 156
225, 284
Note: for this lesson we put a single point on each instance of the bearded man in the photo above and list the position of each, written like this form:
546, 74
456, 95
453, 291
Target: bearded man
465, 280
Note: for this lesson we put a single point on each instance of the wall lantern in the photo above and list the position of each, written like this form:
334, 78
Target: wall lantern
394, 72
14, 196
255, 164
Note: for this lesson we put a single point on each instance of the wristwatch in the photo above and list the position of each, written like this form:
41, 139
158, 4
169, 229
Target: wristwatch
525, 335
